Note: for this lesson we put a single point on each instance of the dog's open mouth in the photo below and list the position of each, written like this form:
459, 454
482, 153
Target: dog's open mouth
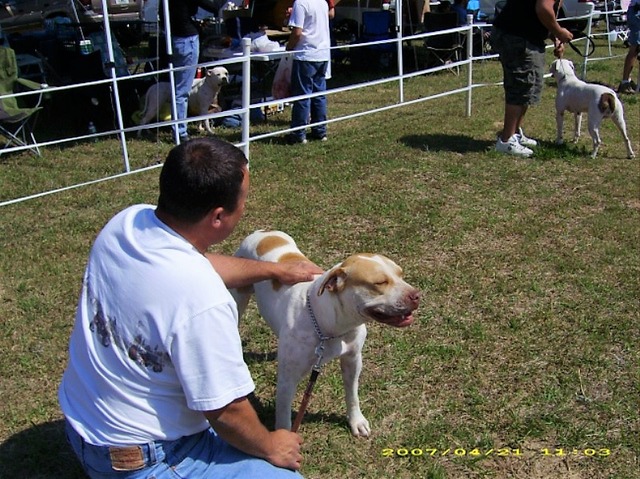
397, 321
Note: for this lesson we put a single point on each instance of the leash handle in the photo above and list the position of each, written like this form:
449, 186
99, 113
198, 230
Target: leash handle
590, 49
305, 400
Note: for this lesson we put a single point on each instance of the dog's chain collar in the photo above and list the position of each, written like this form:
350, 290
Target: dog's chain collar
321, 337
316, 368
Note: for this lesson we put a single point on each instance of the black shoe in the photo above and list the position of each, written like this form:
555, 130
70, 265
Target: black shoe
184, 138
626, 87
292, 140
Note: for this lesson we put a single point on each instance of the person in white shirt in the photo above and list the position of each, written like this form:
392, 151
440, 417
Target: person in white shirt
310, 43
156, 384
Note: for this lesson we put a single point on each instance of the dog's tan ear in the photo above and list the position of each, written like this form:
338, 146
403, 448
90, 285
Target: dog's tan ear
334, 281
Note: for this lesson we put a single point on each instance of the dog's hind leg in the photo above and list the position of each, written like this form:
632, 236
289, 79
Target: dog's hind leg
618, 120
208, 127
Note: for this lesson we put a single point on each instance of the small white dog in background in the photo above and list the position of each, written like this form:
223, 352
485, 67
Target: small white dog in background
598, 101
203, 97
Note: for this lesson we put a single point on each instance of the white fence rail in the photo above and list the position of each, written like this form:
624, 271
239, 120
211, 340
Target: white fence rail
245, 60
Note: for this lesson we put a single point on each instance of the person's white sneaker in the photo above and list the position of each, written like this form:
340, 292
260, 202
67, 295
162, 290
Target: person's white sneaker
513, 147
525, 140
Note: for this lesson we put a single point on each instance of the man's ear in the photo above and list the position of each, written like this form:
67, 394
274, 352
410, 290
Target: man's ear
216, 215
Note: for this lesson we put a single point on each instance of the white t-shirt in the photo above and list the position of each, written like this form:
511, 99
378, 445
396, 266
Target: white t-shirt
155, 340
313, 17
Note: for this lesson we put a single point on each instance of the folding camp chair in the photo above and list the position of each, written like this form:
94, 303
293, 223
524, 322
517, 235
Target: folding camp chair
376, 26
16, 122
444, 48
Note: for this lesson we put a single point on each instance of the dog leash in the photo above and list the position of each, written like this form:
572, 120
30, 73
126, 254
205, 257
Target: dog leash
315, 371
591, 46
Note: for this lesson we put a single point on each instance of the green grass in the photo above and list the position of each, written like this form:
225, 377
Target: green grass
527, 335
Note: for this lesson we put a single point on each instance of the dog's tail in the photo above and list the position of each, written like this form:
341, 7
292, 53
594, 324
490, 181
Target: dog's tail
607, 104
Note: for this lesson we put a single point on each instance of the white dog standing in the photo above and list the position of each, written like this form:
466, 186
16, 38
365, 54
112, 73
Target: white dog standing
203, 94
330, 311
577, 96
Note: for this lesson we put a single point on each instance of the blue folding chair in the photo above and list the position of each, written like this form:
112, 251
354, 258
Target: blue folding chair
376, 26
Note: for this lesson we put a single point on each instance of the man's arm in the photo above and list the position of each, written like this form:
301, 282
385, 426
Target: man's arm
238, 272
294, 38
332, 9
239, 425
546, 15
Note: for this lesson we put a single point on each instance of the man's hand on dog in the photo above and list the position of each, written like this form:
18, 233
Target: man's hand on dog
239, 272
295, 271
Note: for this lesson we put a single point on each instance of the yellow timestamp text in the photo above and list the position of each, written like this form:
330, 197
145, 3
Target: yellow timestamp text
486, 452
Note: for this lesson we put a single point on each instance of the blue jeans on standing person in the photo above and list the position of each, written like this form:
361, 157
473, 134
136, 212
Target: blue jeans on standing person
186, 53
200, 456
309, 77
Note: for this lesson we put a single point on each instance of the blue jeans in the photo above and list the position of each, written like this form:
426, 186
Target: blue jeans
633, 22
203, 455
306, 78
186, 52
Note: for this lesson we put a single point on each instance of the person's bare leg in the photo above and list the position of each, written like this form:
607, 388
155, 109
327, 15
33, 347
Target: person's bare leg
513, 117
629, 60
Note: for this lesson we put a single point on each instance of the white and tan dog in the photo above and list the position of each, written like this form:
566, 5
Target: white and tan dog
577, 96
335, 306
202, 97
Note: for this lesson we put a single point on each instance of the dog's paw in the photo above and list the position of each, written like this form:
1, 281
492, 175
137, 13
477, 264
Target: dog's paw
359, 426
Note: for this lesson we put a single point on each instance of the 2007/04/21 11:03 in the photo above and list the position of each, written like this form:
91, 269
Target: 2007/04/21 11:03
501, 452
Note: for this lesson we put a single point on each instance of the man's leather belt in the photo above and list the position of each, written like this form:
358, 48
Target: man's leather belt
128, 458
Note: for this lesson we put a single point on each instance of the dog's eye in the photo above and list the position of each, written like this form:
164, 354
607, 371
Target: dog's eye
381, 283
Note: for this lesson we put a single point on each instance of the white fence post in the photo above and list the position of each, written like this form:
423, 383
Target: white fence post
246, 94
116, 90
470, 64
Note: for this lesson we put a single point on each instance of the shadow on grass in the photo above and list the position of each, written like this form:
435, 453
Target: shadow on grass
267, 412
40, 452
444, 142
546, 151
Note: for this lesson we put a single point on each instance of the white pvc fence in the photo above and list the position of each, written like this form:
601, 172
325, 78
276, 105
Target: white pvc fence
246, 63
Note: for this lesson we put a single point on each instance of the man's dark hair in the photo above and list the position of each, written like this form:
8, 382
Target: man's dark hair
200, 175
